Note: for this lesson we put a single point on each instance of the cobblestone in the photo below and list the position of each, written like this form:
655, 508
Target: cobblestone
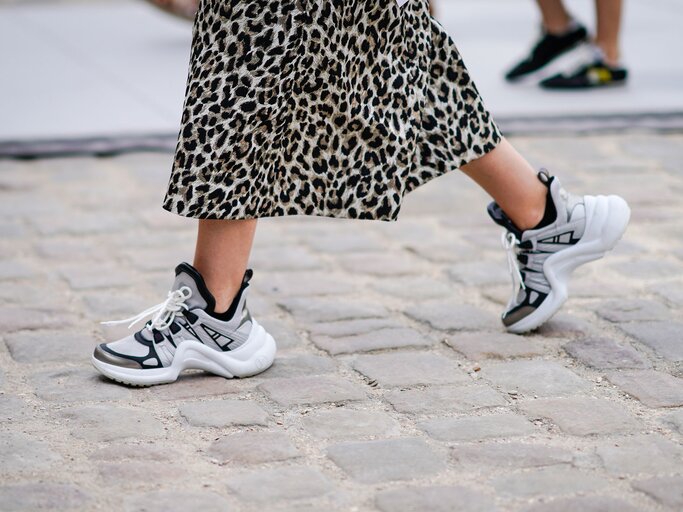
17, 319
344, 423
563, 325
380, 264
386, 460
176, 501
674, 420
654, 389
480, 427
408, 369
552, 481
633, 310
253, 448
13, 409
434, 499
433, 400
490, 345
136, 473
582, 416
107, 423
584, 504
223, 413
286, 483
666, 490
311, 390
84, 278
75, 385
332, 309
304, 284
198, 385
451, 316
489, 455
604, 354
126, 450
536, 378
395, 386
42, 496
413, 287
662, 337
348, 328
20, 453
10, 269
45, 346
625, 456
401, 337
301, 365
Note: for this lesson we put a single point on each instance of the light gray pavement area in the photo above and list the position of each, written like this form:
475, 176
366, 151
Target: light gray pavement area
98, 68
395, 387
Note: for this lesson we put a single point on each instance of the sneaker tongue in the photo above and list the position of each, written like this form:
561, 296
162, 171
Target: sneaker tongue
187, 275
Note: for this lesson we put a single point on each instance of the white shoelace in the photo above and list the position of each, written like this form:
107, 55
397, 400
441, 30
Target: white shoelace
164, 313
510, 244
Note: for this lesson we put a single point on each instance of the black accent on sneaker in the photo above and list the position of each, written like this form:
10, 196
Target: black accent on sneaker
138, 359
550, 213
191, 317
216, 336
596, 74
175, 329
199, 281
547, 49
170, 340
500, 218
208, 296
227, 315
141, 339
524, 308
189, 329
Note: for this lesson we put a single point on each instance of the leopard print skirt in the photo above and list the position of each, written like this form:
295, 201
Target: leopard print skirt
321, 107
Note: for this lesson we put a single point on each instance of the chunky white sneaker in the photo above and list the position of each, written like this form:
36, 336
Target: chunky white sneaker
185, 333
541, 260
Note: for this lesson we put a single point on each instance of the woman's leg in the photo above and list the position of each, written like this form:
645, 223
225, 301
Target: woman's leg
609, 25
556, 18
221, 256
512, 183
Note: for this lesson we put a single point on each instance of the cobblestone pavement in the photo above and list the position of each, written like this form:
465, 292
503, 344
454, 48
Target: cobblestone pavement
395, 387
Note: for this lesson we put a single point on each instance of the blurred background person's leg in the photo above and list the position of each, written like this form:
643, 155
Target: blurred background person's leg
556, 18
608, 29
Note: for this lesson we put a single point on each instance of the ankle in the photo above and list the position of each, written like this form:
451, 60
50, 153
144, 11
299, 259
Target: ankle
224, 297
530, 217
609, 52
560, 26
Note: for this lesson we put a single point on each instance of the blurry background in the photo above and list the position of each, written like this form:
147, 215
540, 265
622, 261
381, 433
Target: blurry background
79, 70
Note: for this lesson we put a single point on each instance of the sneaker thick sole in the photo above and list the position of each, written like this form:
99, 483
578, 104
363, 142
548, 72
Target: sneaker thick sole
606, 220
252, 358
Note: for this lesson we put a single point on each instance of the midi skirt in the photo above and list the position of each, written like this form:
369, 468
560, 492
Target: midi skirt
335, 108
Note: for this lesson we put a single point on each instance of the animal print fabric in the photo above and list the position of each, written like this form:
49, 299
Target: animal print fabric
321, 107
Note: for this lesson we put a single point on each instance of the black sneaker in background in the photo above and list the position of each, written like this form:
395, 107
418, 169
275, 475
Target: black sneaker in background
593, 75
547, 49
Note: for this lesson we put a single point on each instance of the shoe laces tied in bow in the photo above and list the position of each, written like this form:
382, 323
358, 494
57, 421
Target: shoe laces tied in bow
164, 313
